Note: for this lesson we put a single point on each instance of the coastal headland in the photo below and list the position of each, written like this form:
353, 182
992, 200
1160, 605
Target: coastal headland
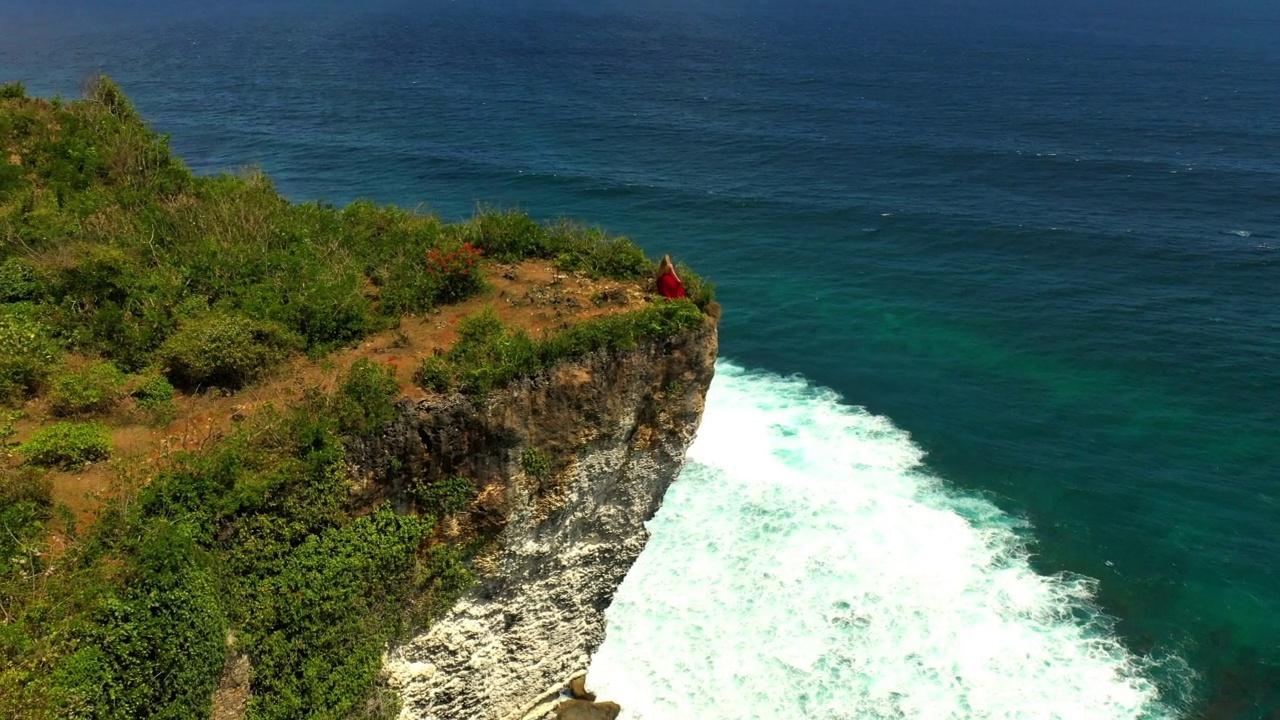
269, 459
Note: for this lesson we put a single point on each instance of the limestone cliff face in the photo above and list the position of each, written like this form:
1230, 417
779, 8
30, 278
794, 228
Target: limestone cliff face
614, 427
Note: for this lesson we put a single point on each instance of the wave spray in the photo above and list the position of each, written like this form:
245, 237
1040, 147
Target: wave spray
806, 565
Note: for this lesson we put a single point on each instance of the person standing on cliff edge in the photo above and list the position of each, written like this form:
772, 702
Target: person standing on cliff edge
669, 285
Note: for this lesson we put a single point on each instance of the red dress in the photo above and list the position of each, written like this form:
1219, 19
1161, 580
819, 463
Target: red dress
669, 285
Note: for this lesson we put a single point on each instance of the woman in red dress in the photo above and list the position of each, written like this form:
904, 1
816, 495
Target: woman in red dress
669, 285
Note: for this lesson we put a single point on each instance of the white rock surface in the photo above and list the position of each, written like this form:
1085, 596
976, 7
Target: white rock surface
617, 427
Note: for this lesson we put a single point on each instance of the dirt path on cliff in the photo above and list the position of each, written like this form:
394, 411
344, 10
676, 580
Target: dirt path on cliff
531, 295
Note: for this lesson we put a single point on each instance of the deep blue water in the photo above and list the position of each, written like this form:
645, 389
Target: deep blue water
1044, 240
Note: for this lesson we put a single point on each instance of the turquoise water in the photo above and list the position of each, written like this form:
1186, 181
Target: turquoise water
1040, 243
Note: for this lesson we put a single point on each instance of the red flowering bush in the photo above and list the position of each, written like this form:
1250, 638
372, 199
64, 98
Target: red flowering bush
454, 271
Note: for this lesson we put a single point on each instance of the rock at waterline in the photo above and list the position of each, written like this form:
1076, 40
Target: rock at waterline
584, 710
578, 688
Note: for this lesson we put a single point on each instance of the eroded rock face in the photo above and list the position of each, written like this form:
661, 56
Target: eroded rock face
615, 427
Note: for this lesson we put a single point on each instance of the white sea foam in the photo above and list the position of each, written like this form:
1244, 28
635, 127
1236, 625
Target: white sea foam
805, 566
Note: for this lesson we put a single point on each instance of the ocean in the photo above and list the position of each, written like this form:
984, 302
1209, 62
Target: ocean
996, 425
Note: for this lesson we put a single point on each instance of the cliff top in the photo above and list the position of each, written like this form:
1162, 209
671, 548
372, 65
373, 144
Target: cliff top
181, 358
136, 294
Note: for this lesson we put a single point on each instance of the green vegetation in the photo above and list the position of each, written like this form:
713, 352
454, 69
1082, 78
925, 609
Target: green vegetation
67, 445
510, 236
700, 291
123, 276
153, 390
27, 350
17, 281
154, 396
224, 350
6, 426
445, 496
124, 254
366, 399
149, 645
26, 509
95, 389
253, 533
13, 90
488, 354
534, 462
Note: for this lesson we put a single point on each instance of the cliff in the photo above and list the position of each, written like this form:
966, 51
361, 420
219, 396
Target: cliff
233, 458
613, 428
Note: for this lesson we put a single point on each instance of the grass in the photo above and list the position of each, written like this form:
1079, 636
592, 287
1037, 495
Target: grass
489, 354
125, 280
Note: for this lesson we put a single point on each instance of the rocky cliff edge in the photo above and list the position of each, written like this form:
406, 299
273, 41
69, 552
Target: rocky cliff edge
570, 465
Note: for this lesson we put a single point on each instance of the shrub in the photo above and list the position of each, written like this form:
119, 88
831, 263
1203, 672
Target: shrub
67, 444
26, 505
435, 373
534, 462
486, 355
6, 426
614, 258
42, 218
27, 351
439, 584
17, 281
511, 236
11, 182
94, 390
449, 272
445, 496
154, 396
224, 350
324, 306
382, 234
154, 646
455, 272
314, 593
70, 159
365, 401
318, 626
507, 235
153, 389
595, 252
405, 288
699, 290
110, 302
12, 91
